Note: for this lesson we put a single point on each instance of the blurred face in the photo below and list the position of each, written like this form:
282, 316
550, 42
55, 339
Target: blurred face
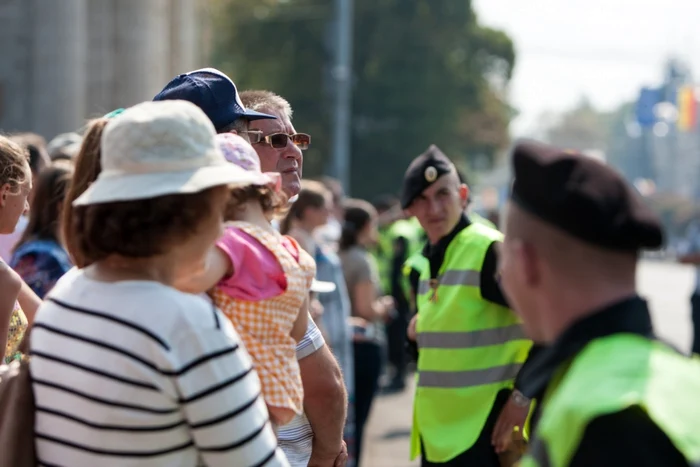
288, 160
521, 277
14, 203
317, 217
370, 234
440, 206
193, 253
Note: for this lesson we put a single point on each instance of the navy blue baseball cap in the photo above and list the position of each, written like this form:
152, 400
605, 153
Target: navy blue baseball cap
214, 93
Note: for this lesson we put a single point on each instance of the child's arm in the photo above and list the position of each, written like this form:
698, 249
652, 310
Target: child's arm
218, 266
301, 322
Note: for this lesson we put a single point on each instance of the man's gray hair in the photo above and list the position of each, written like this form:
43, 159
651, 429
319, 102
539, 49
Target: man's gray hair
239, 125
261, 101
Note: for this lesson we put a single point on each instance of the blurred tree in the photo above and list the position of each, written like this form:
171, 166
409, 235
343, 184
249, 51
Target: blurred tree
425, 72
582, 127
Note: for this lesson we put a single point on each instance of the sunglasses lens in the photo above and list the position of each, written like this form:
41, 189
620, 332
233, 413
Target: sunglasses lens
278, 140
302, 140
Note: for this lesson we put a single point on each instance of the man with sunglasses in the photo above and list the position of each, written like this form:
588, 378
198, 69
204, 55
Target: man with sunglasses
315, 438
279, 148
277, 143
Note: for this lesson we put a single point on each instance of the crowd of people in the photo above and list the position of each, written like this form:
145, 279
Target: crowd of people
113, 234
173, 293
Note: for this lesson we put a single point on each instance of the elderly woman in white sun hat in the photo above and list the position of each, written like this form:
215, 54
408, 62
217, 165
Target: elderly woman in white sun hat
126, 369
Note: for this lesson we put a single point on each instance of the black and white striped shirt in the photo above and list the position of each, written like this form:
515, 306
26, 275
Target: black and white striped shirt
137, 373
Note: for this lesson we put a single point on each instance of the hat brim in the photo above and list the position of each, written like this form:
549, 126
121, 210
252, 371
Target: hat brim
322, 286
109, 188
253, 115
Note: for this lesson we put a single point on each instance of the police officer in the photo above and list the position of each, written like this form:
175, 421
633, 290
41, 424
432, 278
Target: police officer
471, 345
610, 393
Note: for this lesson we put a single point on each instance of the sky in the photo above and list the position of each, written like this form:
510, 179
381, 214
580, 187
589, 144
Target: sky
602, 49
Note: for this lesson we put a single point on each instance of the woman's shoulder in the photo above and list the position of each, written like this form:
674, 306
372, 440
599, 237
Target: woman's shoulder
9, 279
154, 305
354, 253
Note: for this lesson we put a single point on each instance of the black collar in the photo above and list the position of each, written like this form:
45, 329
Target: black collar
436, 253
627, 316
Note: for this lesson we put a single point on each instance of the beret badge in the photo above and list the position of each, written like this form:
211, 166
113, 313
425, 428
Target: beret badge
430, 174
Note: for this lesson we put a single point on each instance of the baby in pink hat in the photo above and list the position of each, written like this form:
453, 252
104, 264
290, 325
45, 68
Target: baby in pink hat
260, 279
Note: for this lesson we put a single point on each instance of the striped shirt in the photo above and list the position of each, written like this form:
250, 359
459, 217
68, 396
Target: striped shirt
296, 437
136, 373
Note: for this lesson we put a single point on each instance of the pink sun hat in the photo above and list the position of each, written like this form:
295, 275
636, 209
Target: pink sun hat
238, 151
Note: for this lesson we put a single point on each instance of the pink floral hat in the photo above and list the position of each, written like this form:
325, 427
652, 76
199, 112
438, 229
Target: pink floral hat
239, 152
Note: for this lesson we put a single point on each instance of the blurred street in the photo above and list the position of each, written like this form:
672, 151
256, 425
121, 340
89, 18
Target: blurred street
667, 286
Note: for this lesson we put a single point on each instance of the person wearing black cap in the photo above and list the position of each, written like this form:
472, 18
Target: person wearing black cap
471, 345
609, 392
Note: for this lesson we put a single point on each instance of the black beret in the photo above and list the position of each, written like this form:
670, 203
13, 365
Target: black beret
423, 172
583, 197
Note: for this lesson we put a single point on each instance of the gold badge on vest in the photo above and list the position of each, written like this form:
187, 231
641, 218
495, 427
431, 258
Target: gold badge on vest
434, 283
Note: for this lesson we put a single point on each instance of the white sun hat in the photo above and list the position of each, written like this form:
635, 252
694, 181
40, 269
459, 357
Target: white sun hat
160, 148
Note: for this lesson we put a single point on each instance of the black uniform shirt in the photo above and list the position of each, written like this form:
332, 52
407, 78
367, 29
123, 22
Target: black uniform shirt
626, 438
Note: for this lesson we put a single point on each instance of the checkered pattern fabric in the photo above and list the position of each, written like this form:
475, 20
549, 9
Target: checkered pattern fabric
264, 326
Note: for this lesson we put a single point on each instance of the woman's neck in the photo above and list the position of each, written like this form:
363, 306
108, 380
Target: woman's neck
117, 268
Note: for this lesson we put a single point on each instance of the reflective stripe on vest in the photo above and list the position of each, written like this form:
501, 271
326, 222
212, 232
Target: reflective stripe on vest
452, 277
469, 339
470, 349
627, 370
464, 379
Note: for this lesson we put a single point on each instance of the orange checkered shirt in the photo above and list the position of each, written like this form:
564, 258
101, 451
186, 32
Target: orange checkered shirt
265, 325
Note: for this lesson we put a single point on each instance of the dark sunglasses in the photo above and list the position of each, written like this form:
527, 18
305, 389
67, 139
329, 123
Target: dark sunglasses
280, 140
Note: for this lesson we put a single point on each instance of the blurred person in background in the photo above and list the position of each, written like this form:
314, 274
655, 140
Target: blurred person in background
116, 347
329, 234
64, 146
311, 210
369, 308
38, 161
690, 254
316, 435
399, 239
18, 304
40, 258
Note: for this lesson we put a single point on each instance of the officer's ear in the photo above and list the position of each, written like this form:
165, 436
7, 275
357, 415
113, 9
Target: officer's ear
464, 195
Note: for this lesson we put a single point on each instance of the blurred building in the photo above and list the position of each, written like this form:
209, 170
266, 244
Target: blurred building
68, 60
